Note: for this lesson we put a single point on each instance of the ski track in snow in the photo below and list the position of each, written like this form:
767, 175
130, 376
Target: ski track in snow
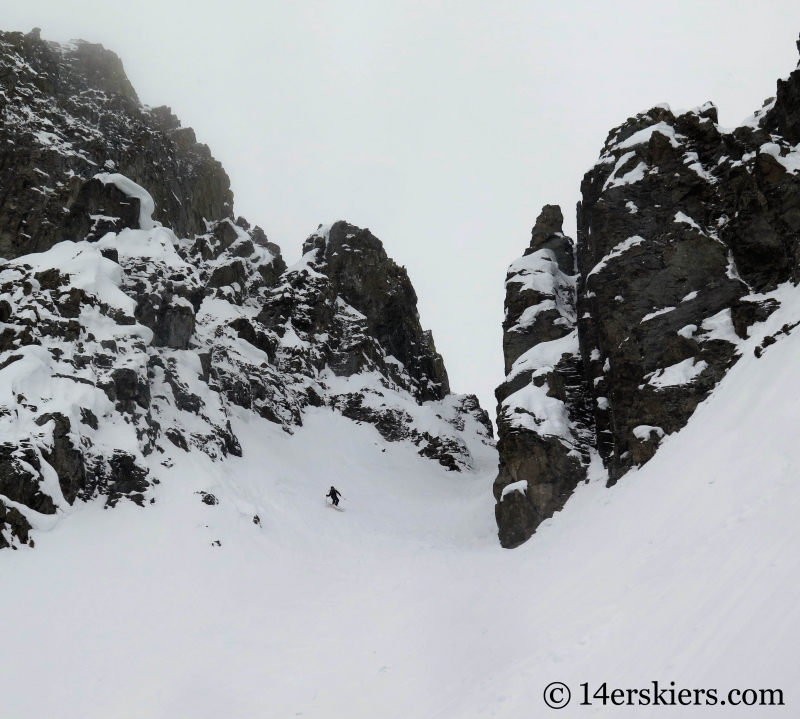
405, 606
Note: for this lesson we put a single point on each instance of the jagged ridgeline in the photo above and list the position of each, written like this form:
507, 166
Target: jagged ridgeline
135, 310
684, 231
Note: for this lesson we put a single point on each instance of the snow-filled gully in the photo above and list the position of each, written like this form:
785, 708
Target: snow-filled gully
404, 605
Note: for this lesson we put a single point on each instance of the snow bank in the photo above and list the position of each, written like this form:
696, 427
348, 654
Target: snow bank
617, 251
131, 189
790, 161
678, 374
545, 355
656, 313
644, 432
642, 136
158, 244
521, 486
634, 175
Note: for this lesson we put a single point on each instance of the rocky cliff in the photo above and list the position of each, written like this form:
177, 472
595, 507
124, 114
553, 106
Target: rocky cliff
684, 230
135, 311
69, 112
545, 428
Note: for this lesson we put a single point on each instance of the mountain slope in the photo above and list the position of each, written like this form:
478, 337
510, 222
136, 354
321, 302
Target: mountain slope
175, 404
404, 606
144, 322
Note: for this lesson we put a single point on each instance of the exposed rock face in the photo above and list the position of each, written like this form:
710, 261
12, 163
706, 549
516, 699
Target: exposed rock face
682, 228
14, 525
346, 316
157, 320
64, 456
69, 113
545, 430
21, 477
372, 304
657, 282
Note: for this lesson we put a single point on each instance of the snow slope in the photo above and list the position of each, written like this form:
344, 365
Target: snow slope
405, 606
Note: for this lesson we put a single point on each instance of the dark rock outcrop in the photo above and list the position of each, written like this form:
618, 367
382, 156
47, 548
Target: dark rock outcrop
682, 227
21, 477
126, 478
544, 428
63, 456
350, 290
172, 322
88, 119
13, 526
348, 309
652, 277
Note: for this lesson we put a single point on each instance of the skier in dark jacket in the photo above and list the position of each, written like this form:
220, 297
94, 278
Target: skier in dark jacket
334, 494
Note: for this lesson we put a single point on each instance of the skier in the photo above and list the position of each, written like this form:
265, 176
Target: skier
334, 494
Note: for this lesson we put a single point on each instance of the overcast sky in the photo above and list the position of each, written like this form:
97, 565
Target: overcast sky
441, 126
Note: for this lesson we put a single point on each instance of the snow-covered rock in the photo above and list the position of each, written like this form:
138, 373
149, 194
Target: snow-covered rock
545, 428
685, 231
159, 316
72, 124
